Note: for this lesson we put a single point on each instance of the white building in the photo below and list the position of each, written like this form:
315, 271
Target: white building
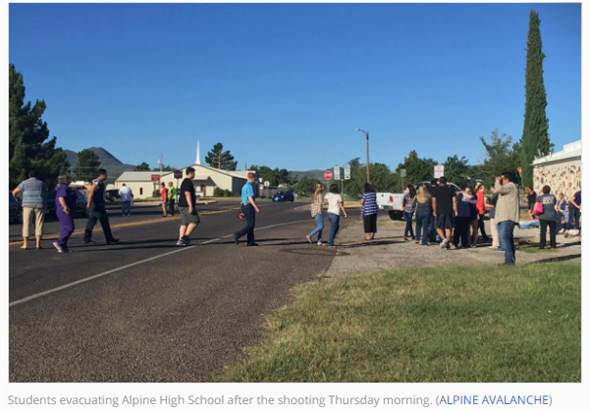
206, 180
562, 170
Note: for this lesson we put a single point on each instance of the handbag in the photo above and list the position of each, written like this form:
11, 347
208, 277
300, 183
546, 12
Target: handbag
538, 209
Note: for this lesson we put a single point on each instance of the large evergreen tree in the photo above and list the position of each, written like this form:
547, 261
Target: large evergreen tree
535, 135
221, 159
87, 166
417, 169
28, 145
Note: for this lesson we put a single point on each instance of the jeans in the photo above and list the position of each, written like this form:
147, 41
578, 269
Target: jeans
126, 207
574, 217
319, 226
334, 226
552, 233
408, 230
248, 229
171, 207
461, 233
98, 214
423, 227
66, 227
506, 234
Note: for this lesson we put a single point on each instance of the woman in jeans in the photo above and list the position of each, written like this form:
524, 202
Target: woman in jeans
369, 210
408, 204
335, 207
548, 218
423, 204
317, 200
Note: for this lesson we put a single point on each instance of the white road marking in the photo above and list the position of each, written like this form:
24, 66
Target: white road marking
139, 262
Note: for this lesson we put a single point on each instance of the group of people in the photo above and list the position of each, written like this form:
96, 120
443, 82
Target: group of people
33, 193
334, 205
168, 196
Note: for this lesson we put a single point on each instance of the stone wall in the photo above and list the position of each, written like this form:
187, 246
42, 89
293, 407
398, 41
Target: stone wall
563, 177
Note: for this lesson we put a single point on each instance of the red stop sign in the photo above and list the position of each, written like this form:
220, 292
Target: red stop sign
328, 175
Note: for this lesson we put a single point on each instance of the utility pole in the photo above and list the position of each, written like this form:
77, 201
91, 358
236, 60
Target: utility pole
366, 133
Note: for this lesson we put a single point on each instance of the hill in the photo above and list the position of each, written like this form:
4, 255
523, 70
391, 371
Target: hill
298, 175
112, 164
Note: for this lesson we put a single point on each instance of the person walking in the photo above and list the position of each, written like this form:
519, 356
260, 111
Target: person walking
34, 194
480, 193
95, 204
444, 204
187, 206
164, 199
172, 194
423, 203
335, 207
317, 199
369, 211
408, 205
548, 218
463, 220
249, 208
126, 196
507, 214
65, 203
491, 207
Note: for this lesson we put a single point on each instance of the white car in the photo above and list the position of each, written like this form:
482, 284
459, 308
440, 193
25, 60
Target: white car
392, 203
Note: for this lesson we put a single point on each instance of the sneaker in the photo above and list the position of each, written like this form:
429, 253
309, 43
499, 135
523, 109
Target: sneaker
113, 241
308, 238
180, 243
186, 241
58, 247
236, 239
320, 243
252, 244
443, 243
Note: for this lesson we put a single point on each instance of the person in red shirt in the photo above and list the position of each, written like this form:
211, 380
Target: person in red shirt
480, 205
164, 198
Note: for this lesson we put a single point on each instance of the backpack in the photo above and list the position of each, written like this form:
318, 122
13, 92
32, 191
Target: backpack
538, 209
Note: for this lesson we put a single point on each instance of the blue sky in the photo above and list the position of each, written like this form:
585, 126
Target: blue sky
286, 85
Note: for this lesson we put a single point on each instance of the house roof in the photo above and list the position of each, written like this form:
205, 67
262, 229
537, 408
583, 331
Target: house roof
140, 176
569, 151
236, 174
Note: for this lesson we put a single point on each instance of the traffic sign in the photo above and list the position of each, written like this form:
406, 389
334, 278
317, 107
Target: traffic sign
337, 174
402, 172
439, 171
347, 173
177, 174
328, 175
155, 178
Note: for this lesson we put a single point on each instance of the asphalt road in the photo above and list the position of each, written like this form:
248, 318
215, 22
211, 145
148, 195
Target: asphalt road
146, 310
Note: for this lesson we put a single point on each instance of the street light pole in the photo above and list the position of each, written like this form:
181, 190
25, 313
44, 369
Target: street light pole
366, 133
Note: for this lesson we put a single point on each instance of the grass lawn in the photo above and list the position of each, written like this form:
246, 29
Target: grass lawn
458, 324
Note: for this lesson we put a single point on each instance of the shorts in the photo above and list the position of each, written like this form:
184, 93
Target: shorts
445, 221
370, 223
187, 218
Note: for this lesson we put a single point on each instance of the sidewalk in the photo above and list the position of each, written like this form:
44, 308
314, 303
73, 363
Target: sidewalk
390, 251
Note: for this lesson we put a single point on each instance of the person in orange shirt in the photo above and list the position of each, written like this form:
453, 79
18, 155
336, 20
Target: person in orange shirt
480, 205
164, 198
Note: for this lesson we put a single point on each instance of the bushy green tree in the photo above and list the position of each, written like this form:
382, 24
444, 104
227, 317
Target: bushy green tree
142, 167
535, 135
457, 170
29, 145
501, 155
381, 178
417, 169
305, 186
274, 176
87, 166
221, 159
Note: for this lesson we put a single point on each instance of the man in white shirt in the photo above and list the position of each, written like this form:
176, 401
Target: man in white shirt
126, 195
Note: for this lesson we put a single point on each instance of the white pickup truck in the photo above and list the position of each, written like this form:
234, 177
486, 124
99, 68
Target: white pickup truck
392, 203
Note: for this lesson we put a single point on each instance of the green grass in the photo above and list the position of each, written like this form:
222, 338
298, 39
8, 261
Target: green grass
506, 324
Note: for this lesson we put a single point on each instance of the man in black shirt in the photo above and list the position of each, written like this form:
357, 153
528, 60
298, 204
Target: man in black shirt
444, 204
187, 205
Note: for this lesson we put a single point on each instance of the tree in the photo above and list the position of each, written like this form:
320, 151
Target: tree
381, 178
417, 169
87, 166
28, 145
535, 135
142, 167
305, 186
220, 159
274, 176
457, 170
501, 155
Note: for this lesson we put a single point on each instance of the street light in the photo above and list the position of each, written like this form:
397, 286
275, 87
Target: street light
366, 133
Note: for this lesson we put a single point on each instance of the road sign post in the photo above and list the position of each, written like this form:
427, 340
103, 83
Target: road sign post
439, 171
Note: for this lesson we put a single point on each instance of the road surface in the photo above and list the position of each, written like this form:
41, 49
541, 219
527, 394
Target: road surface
146, 310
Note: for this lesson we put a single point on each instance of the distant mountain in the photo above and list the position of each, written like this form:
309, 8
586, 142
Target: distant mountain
298, 175
109, 162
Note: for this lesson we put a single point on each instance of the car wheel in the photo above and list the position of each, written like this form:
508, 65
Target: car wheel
395, 215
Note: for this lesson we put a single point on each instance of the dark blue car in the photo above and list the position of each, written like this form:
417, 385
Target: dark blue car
283, 196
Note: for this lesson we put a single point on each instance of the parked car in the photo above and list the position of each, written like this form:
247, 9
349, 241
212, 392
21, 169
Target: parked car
112, 195
283, 196
15, 209
78, 211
